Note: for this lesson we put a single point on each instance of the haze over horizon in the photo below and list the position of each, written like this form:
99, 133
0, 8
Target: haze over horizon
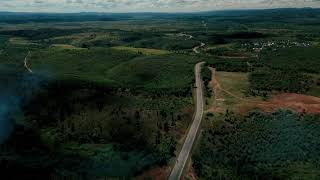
148, 5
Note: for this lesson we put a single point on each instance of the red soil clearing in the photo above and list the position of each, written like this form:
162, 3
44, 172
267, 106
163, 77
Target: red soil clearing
297, 102
158, 173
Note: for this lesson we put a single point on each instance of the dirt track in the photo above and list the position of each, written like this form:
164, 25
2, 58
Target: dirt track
296, 102
26, 63
195, 49
216, 85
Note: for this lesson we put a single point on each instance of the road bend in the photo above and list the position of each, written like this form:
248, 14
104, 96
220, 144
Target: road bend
183, 157
195, 49
26, 63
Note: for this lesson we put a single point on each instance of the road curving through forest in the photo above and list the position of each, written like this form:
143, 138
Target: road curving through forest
26, 63
193, 131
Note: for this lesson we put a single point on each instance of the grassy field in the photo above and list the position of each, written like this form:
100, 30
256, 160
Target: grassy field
64, 46
13, 56
231, 92
156, 72
236, 83
144, 51
20, 41
64, 63
89, 39
118, 68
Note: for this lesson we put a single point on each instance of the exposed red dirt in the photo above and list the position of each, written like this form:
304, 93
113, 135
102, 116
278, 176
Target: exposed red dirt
158, 173
296, 102
191, 175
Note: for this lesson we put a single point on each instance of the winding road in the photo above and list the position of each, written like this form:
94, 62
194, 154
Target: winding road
195, 49
26, 63
188, 144
187, 35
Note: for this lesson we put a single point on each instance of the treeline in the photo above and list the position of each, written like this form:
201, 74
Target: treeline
166, 43
233, 52
215, 38
302, 59
124, 37
259, 146
161, 92
41, 33
266, 80
230, 65
131, 36
246, 35
18, 18
207, 77
285, 70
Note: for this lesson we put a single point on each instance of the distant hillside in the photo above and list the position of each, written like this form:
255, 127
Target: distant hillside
15, 17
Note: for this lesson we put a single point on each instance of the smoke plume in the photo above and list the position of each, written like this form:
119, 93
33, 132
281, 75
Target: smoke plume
16, 88
7, 106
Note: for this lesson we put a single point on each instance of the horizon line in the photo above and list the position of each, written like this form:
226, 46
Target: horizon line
157, 12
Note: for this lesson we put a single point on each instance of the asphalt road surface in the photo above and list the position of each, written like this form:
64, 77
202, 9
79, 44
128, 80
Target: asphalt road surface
187, 146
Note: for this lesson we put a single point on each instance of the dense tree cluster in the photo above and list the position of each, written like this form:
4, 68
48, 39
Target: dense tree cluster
61, 112
206, 77
276, 80
302, 59
41, 33
230, 65
282, 145
168, 43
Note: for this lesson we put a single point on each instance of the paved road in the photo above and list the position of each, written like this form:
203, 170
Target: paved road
187, 146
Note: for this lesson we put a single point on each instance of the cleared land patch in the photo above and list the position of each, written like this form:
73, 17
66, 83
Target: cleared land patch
229, 90
64, 46
230, 93
296, 102
20, 41
145, 51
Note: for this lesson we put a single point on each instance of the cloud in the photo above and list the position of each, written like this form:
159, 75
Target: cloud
147, 5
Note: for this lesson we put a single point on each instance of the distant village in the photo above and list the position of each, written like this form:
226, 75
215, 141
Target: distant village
274, 45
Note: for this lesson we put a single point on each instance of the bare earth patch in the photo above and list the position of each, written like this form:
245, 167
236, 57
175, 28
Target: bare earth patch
296, 102
228, 91
191, 174
158, 173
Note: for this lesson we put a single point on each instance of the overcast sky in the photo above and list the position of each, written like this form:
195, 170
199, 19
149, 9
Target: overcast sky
147, 5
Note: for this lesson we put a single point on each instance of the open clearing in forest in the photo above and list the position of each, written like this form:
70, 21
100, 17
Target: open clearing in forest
229, 91
297, 102
145, 51
230, 88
